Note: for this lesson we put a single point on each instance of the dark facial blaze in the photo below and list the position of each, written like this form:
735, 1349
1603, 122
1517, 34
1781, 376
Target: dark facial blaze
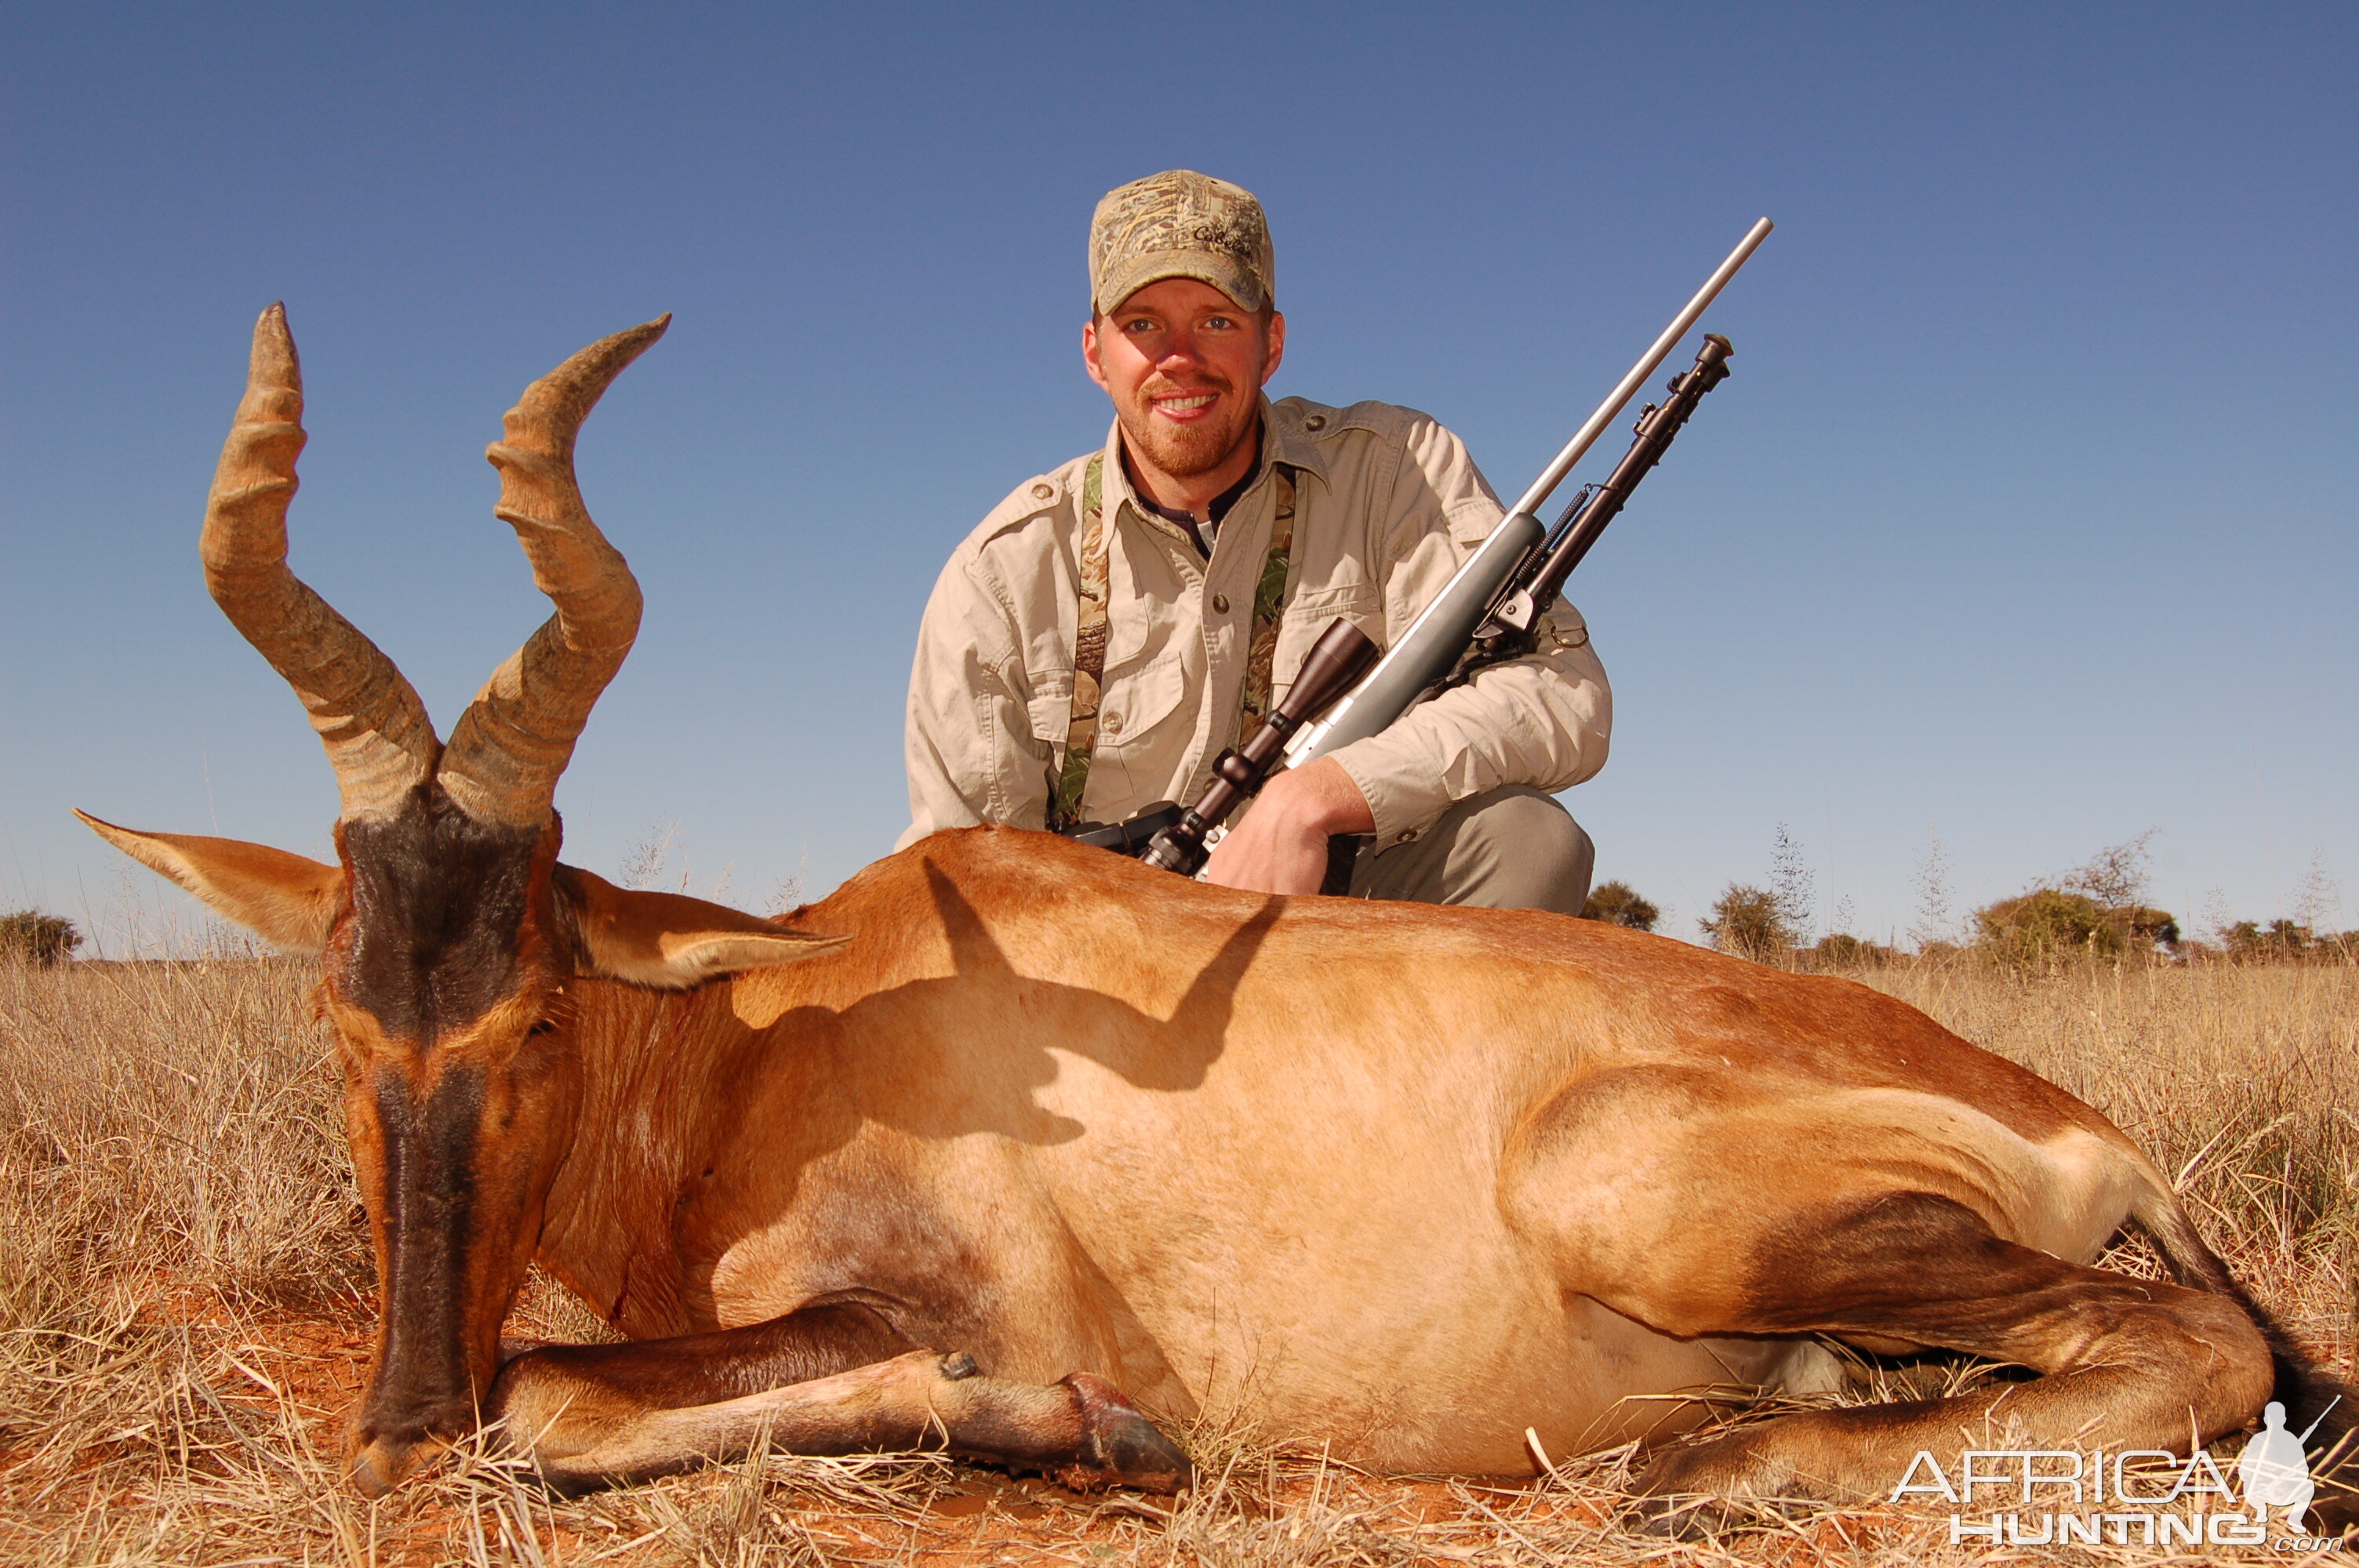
429, 1207
438, 921
458, 1104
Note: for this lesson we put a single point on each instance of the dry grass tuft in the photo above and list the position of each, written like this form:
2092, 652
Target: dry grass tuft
185, 1309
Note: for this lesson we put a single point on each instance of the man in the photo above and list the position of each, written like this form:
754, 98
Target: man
1117, 621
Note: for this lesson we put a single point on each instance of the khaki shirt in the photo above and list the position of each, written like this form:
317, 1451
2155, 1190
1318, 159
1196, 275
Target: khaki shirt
1388, 505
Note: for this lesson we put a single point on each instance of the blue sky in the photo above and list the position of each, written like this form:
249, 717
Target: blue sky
2025, 518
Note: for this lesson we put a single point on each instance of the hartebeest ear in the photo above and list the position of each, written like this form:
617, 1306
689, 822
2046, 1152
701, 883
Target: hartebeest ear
668, 940
284, 899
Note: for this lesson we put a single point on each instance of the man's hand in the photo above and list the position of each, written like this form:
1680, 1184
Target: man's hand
1281, 845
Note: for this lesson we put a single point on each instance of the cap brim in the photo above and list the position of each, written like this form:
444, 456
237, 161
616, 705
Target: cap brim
1155, 266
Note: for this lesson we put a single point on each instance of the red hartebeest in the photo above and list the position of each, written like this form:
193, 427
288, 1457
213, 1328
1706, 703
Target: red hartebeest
1008, 1133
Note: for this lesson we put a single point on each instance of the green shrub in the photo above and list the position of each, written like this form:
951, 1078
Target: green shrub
1618, 903
2250, 942
1747, 921
29, 936
1844, 951
2046, 925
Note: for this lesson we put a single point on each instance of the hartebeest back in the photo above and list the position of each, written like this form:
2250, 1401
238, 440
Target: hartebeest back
1403, 1181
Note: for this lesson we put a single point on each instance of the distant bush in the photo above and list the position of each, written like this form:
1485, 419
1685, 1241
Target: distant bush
2282, 942
2045, 925
1618, 903
2093, 912
1841, 950
1747, 921
29, 936
2249, 940
2049, 924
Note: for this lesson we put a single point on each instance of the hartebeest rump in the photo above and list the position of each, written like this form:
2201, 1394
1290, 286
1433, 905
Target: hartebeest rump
1008, 1133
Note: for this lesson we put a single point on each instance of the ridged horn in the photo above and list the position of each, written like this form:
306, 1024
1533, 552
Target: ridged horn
508, 749
375, 730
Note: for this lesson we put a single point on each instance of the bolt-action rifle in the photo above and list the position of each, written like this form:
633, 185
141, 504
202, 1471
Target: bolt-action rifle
1485, 614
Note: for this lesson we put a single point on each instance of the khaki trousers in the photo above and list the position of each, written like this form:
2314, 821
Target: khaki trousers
1512, 849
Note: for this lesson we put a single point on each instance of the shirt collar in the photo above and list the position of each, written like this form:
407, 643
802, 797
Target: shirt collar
1116, 488
1221, 503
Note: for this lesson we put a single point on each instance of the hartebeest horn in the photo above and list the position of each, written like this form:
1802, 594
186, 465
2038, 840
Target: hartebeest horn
375, 730
509, 747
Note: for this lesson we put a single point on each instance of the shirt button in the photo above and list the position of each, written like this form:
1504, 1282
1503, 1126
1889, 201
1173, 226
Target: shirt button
1406, 835
1316, 422
1113, 723
1219, 604
1044, 490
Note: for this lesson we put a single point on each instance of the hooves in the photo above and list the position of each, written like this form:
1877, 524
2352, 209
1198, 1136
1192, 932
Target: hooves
1120, 1446
378, 1467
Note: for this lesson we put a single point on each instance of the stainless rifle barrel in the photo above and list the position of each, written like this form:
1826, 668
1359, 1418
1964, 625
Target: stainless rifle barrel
1536, 497
1426, 652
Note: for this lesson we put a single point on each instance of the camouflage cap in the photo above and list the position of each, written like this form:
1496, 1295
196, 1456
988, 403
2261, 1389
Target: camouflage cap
1180, 224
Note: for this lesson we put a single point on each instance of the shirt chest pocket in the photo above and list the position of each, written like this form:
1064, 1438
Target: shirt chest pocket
1132, 704
1137, 701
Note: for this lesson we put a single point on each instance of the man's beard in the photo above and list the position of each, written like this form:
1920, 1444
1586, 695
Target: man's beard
1184, 451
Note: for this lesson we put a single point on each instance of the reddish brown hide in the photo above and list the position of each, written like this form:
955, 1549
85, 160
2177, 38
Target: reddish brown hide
1016, 1148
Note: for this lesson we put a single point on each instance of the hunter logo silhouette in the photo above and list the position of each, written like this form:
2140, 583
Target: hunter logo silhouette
2274, 1469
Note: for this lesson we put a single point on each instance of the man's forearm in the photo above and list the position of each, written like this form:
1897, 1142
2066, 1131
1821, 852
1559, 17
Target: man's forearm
1543, 721
1281, 845
1320, 798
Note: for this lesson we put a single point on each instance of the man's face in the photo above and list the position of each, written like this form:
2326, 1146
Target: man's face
1184, 366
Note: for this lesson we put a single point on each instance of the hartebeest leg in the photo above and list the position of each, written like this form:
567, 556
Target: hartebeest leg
1702, 1206
811, 1383
2126, 1363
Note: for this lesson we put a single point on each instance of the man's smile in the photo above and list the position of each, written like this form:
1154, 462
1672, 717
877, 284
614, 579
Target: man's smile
1186, 408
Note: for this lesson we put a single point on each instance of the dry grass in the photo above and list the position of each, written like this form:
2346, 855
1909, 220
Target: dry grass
2241, 1084
184, 1309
